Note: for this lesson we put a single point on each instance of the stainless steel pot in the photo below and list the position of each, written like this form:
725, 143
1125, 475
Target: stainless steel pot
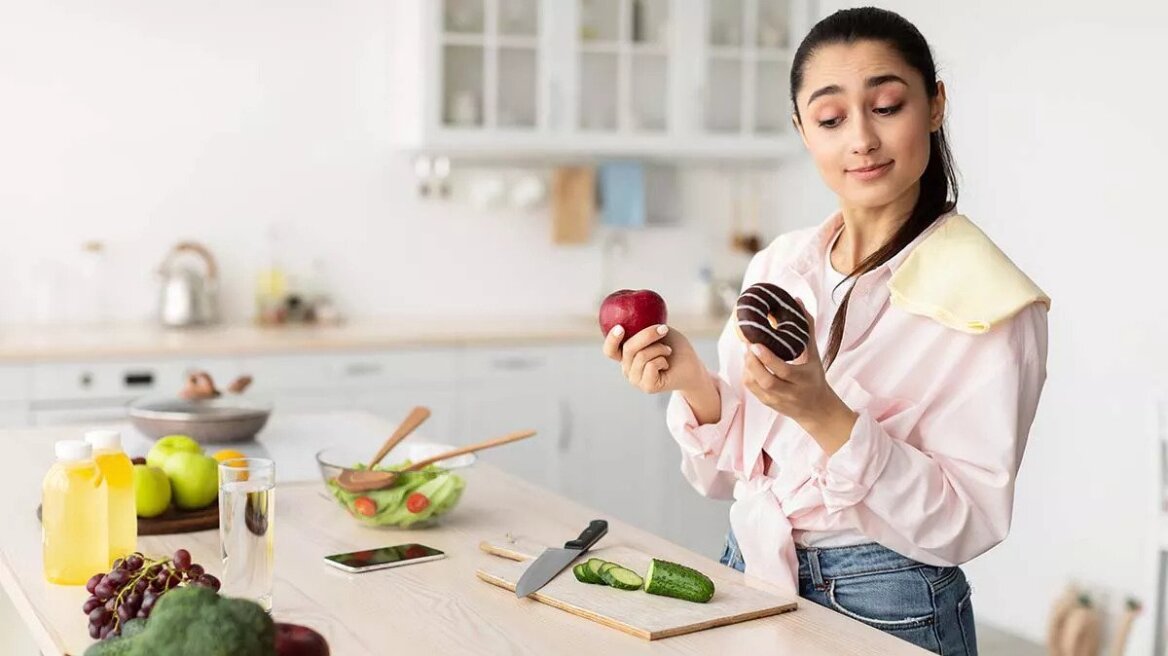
211, 421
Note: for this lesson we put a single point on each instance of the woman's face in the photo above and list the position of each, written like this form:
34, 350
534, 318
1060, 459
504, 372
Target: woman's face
866, 118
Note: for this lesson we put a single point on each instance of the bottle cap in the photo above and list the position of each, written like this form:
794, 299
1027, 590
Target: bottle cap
73, 450
104, 439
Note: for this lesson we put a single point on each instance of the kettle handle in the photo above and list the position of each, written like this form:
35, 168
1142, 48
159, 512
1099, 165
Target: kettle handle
197, 249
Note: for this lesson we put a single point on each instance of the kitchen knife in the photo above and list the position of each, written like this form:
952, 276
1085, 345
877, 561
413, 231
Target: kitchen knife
553, 561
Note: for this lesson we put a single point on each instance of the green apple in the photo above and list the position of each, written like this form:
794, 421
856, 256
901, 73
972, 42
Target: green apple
194, 478
169, 445
151, 490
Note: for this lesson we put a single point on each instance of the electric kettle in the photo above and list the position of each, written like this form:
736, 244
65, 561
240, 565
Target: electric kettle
189, 296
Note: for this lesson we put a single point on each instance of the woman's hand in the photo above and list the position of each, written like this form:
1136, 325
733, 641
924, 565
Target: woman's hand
799, 390
656, 359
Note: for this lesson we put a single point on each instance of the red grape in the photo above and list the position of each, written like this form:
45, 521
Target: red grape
94, 630
99, 615
194, 572
103, 591
134, 562
92, 582
182, 559
90, 604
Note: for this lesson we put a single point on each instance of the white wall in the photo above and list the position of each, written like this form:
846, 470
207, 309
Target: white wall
140, 123
1057, 122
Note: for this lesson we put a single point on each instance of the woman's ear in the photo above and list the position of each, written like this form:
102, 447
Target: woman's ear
937, 108
799, 127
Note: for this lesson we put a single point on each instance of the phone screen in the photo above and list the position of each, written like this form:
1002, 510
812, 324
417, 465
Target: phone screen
384, 555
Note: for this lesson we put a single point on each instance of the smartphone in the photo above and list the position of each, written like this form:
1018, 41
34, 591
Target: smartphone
371, 559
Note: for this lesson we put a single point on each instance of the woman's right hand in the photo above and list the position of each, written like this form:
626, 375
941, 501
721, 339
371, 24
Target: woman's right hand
656, 359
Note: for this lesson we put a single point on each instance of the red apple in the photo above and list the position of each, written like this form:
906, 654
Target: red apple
635, 310
296, 640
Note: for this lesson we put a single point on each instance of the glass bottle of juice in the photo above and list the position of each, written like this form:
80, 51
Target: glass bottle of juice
118, 472
74, 521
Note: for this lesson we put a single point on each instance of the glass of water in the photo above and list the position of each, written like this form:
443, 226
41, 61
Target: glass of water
247, 488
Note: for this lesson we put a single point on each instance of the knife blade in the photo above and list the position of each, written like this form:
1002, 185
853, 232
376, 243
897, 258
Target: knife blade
553, 561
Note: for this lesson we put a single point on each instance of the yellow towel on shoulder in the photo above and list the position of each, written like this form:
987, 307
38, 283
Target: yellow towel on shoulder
960, 278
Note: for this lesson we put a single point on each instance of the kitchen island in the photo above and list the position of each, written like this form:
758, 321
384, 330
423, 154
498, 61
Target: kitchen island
439, 607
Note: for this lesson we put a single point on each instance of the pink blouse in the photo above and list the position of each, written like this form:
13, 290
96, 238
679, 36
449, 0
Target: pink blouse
929, 468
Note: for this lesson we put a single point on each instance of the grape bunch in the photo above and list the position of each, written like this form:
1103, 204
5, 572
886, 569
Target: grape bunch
134, 585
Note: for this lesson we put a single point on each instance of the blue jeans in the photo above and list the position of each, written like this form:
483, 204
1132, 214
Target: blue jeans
925, 605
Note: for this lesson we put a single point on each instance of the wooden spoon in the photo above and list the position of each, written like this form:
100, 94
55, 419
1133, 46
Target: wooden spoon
353, 477
368, 480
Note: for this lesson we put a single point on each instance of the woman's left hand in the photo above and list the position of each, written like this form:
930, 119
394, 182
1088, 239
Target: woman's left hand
799, 390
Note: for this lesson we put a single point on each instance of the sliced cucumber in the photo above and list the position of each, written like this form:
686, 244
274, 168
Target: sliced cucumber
672, 580
593, 566
581, 573
622, 579
607, 566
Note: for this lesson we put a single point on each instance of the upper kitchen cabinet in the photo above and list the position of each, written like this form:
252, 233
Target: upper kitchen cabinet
594, 78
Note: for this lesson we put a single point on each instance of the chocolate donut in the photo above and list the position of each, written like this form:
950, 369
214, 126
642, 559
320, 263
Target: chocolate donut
768, 315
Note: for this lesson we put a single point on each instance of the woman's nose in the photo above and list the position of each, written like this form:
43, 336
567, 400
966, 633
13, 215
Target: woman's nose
863, 137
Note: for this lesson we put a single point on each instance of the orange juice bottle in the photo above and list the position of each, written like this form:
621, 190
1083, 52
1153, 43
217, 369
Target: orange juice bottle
74, 521
118, 472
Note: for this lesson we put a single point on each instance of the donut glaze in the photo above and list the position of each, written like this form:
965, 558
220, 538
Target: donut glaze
768, 315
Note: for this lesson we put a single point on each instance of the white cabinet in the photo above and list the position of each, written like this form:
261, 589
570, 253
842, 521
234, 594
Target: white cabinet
647, 78
505, 390
387, 384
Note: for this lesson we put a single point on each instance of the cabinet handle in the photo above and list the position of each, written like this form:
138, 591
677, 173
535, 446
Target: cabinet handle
86, 379
516, 363
362, 369
139, 379
565, 441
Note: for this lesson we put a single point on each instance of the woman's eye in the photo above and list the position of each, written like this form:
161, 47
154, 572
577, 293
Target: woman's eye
829, 123
888, 111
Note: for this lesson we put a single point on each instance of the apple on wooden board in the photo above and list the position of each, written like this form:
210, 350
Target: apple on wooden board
633, 309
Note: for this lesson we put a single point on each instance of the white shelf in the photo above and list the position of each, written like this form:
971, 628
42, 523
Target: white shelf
472, 39
773, 55
590, 145
600, 47
727, 53
654, 49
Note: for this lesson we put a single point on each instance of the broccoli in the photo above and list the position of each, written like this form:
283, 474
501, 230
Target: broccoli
196, 621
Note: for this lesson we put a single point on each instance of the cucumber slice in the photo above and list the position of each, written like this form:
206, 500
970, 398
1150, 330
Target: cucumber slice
622, 579
593, 566
607, 566
678, 581
581, 575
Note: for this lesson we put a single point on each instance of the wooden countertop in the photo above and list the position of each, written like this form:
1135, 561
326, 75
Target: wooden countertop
433, 608
41, 343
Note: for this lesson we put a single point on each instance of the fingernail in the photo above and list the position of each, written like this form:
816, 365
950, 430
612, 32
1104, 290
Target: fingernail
756, 350
661, 330
668, 350
617, 331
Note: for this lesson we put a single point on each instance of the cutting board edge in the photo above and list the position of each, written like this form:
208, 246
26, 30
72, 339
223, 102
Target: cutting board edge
724, 621
567, 608
634, 631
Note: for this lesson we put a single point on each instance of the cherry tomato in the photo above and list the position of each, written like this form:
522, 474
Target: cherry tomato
365, 506
417, 502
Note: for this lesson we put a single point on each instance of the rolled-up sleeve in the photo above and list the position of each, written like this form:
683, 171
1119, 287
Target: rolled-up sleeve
951, 493
702, 444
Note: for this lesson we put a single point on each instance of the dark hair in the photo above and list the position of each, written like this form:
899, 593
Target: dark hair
938, 189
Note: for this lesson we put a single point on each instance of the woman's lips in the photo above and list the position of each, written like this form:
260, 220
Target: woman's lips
867, 173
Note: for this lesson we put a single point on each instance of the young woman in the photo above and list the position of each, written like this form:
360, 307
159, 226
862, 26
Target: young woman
868, 469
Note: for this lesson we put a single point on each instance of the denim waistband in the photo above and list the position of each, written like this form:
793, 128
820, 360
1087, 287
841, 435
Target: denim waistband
818, 564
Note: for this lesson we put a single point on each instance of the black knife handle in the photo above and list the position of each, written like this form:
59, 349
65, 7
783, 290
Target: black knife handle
591, 535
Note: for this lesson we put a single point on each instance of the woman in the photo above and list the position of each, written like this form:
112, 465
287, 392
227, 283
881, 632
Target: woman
864, 476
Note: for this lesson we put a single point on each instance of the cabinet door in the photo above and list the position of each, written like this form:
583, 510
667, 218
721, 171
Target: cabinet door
489, 71
505, 390
743, 59
611, 462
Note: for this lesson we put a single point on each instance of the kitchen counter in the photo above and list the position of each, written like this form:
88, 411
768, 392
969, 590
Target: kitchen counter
438, 607
49, 343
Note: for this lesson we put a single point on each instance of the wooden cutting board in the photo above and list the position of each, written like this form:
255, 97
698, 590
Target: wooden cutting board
176, 521
635, 612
